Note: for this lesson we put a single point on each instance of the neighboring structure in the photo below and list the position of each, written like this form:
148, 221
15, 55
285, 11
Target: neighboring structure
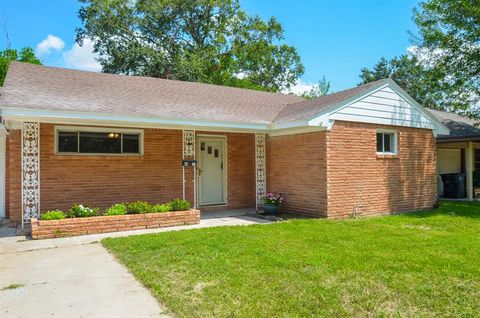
73, 136
459, 152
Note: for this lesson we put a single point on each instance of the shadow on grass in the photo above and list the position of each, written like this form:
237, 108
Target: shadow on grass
450, 208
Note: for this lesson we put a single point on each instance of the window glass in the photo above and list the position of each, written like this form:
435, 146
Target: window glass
379, 142
98, 142
67, 141
387, 143
131, 143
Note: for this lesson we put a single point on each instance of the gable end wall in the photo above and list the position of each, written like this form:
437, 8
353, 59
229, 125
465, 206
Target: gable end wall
357, 177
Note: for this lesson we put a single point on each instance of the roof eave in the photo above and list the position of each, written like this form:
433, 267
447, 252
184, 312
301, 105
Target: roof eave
86, 118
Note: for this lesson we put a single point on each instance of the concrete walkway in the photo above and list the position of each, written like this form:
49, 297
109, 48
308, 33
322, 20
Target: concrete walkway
77, 277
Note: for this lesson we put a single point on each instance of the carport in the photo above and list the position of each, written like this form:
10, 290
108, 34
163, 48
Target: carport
459, 152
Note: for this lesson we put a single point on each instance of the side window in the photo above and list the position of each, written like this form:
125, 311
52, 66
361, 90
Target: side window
386, 142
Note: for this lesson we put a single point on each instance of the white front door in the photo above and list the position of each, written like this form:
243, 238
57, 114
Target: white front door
211, 170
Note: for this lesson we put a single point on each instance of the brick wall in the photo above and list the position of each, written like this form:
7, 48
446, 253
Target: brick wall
13, 177
356, 176
104, 180
107, 224
296, 166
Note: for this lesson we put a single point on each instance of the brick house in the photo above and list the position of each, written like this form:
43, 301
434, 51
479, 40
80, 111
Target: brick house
80, 137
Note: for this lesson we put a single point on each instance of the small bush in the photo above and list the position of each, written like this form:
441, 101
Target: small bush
82, 211
116, 209
53, 215
138, 207
161, 208
179, 205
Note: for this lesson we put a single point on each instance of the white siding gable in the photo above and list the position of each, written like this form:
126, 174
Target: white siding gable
386, 107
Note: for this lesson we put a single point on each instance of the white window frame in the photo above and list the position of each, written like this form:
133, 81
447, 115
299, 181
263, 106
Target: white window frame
394, 141
58, 129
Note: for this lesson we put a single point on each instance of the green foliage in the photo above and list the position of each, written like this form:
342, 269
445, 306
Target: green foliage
138, 207
192, 40
449, 35
53, 215
423, 84
25, 55
179, 205
116, 209
82, 211
318, 90
161, 208
422, 264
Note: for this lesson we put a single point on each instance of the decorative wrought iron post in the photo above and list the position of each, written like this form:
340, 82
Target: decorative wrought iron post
260, 168
30, 171
189, 154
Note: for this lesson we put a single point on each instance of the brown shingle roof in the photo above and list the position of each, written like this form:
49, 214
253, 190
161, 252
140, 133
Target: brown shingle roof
41, 87
460, 127
52, 88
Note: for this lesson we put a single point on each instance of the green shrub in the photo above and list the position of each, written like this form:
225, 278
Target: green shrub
82, 211
179, 205
53, 215
138, 207
116, 209
161, 208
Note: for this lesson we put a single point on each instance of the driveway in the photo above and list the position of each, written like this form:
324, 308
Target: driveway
77, 277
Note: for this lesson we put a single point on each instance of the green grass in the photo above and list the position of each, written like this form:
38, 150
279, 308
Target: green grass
415, 265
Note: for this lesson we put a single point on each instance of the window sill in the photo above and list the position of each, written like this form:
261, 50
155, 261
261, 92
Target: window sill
387, 156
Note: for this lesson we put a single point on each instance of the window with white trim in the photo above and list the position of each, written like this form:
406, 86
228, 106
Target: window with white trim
98, 141
386, 142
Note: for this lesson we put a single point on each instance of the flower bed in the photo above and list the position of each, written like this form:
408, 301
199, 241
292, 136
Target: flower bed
42, 229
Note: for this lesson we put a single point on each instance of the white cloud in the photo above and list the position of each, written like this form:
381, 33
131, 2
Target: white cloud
51, 43
300, 87
82, 57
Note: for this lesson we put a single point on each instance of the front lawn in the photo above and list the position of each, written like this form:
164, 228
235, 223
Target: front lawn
416, 265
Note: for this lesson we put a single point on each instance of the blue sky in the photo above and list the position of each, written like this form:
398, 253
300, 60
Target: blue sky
334, 38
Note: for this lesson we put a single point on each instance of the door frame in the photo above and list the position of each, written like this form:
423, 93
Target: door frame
224, 141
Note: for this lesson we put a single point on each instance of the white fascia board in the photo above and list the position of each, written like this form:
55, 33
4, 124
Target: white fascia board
294, 131
81, 118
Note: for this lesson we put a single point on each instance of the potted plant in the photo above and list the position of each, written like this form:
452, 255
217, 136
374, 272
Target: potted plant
272, 201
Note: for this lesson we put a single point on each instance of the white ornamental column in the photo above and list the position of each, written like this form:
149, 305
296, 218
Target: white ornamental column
189, 154
260, 168
30, 171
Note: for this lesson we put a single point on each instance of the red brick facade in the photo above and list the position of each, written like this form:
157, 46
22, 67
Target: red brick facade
357, 177
101, 181
332, 173
296, 166
107, 224
322, 173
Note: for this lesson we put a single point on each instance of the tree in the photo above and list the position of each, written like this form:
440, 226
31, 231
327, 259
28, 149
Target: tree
320, 89
449, 35
25, 55
209, 41
411, 75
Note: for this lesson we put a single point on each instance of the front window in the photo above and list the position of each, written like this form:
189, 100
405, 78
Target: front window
386, 142
98, 141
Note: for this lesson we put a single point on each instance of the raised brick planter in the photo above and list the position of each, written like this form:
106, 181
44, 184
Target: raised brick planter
105, 224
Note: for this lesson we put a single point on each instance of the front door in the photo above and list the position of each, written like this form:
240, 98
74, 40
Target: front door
211, 171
